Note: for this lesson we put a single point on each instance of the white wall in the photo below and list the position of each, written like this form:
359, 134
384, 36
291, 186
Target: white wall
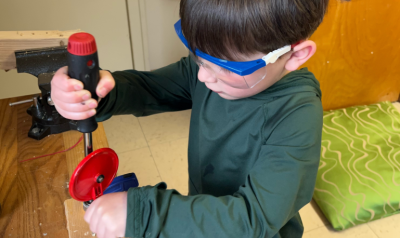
106, 20
160, 45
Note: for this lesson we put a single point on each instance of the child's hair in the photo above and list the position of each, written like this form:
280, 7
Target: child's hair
230, 28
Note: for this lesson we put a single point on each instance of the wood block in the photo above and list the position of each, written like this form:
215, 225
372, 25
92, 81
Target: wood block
11, 41
76, 225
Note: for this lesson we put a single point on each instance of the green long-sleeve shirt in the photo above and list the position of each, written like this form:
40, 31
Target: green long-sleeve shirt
252, 162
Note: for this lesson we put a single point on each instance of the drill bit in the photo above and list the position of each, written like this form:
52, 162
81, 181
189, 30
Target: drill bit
88, 143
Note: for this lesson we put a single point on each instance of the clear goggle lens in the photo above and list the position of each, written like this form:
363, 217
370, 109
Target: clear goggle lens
228, 77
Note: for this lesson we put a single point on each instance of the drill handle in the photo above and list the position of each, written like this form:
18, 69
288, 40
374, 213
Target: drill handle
85, 69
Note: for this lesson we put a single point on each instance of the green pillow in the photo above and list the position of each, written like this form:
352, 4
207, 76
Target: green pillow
359, 173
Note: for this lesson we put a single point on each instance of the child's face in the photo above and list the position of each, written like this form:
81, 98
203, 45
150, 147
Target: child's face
220, 84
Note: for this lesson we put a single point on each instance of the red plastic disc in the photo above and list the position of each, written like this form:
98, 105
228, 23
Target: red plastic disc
93, 175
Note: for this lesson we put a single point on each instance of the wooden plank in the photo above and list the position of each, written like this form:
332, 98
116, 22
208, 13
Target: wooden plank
11, 41
8, 165
41, 182
76, 225
33, 192
357, 57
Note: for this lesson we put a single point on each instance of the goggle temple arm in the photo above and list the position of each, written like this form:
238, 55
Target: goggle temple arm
274, 55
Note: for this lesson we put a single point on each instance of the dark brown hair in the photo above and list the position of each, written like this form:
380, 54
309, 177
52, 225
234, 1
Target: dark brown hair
228, 28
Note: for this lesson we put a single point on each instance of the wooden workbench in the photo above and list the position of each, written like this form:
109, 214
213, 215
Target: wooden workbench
32, 193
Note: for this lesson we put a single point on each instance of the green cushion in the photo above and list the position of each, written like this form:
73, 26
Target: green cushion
359, 174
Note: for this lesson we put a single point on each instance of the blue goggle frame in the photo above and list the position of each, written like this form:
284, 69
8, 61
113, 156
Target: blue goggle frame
240, 68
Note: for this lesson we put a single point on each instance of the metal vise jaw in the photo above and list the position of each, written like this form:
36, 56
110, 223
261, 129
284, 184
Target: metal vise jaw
43, 63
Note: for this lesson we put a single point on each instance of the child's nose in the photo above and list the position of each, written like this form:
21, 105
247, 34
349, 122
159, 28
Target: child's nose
205, 77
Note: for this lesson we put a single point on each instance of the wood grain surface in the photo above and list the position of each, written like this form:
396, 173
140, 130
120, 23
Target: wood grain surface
8, 164
32, 193
76, 225
358, 53
11, 41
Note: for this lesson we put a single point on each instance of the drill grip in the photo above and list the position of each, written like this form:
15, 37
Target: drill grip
85, 69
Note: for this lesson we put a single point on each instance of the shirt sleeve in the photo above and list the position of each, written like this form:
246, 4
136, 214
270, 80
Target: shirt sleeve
147, 93
279, 185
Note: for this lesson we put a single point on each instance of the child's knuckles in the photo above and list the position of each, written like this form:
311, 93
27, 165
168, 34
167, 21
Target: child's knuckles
86, 217
111, 84
92, 226
78, 96
71, 115
54, 86
74, 83
74, 107
100, 210
63, 70
69, 98
66, 114
60, 106
90, 104
112, 226
55, 98
79, 116
107, 82
90, 113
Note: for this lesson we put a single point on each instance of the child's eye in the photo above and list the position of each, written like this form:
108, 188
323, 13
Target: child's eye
198, 62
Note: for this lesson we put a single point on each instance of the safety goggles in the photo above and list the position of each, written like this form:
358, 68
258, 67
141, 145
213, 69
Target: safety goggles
241, 75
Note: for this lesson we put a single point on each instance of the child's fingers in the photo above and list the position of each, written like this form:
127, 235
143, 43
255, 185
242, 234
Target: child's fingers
68, 85
92, 216
76, 115
106, 83
110, 234
108, 211
95, 224
63, 82
71, 97
78, 107
102, 232
91, 211
88, 214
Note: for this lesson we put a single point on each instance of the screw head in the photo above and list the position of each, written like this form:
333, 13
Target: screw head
35, 130
50, 101
100, 178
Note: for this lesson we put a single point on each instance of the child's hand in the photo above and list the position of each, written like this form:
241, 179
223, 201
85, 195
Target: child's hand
107, 215
71, 100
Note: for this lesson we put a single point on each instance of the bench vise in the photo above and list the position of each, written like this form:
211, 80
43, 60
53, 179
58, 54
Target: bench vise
43, 63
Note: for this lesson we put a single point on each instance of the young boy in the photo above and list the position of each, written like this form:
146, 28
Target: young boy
255, 130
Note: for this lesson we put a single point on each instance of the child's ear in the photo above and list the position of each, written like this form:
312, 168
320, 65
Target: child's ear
300, 54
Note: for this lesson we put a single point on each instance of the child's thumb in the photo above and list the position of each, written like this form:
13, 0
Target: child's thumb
106, 83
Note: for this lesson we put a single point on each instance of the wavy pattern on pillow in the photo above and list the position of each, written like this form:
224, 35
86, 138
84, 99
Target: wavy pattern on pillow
359, 174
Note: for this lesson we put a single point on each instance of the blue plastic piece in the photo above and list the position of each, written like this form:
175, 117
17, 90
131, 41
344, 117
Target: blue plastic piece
240, 68
122, 183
